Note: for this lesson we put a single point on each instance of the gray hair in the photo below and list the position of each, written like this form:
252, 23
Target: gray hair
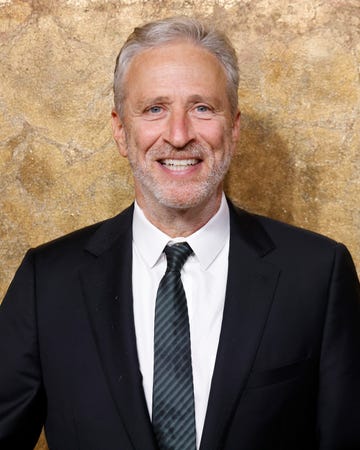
161, 32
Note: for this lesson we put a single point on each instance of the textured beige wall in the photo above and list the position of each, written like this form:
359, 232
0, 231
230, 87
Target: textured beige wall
299, 157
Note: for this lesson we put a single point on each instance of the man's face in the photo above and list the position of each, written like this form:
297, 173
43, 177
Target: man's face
176, 129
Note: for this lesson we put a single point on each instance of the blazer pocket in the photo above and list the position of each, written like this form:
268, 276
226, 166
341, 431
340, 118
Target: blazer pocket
279, 374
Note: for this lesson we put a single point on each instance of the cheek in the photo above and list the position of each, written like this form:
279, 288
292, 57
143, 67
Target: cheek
145, 135
214, 134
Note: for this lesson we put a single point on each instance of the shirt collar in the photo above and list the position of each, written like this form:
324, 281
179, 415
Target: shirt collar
150, 241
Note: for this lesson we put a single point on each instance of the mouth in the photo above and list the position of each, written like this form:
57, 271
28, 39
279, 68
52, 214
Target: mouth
179, 164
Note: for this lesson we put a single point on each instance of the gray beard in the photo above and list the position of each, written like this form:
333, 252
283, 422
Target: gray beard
191, 198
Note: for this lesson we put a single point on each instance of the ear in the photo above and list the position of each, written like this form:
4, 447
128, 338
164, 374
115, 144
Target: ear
119, 133
236, 128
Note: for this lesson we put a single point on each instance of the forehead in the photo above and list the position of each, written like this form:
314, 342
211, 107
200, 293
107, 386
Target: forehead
177, 65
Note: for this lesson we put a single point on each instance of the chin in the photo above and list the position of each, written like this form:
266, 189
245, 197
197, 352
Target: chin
179, 204
184, 200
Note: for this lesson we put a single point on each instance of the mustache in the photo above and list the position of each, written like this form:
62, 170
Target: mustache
167, 151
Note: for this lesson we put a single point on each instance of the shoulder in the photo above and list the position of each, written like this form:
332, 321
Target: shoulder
279, 232
282, 241
302, 253
286, 234
94, 238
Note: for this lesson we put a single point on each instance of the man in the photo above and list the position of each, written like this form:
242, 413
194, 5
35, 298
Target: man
273, 312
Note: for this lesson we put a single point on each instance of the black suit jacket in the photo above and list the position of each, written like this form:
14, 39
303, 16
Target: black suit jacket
287, 372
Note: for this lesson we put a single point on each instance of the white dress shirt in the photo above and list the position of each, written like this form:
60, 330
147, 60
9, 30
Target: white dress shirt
204, 277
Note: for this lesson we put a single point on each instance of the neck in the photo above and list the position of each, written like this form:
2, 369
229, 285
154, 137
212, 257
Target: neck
176, 222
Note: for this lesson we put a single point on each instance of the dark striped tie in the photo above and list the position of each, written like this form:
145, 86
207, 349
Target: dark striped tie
173, 412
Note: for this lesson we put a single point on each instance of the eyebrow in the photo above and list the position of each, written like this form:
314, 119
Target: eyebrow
213, 101
201, 98
196, 98
152, 101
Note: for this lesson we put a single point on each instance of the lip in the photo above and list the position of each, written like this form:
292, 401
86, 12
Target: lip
179, 166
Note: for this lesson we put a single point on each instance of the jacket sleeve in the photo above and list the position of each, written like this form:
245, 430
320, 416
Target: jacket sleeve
339, 371
22, 400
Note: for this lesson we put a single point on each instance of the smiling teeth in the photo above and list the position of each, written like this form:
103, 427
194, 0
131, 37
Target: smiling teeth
179, 164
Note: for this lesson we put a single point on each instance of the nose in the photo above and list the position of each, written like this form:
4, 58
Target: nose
179, 130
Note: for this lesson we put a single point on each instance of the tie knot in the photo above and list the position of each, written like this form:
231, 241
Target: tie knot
176, 255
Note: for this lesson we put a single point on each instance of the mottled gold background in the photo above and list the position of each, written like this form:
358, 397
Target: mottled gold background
298, 160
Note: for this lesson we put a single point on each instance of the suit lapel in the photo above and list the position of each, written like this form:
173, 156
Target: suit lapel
250, 290
107, 289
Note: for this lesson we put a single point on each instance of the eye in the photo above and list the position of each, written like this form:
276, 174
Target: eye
156, 109
202, 111
202, 108
154, 112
